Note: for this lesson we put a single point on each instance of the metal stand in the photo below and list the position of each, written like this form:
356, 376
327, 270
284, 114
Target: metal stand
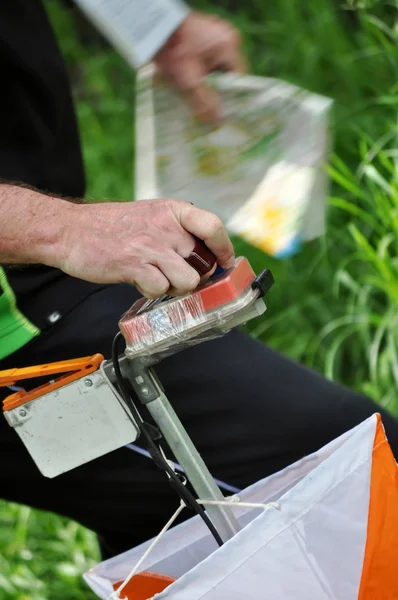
139, 371
149, 390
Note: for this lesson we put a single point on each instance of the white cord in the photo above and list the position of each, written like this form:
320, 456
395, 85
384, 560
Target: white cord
116, 593
232, 501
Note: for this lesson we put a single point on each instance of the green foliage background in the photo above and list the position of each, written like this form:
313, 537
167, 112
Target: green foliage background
335, 305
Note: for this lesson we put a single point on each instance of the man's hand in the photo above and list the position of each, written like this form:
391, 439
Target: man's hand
143, 243
202, 44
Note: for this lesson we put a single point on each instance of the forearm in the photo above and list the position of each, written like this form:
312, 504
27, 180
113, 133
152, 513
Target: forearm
32, 226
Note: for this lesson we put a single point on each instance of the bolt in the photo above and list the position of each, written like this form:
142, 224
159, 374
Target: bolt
23, 413
145, 391
88, 383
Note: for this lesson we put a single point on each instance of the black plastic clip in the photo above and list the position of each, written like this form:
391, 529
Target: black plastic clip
263, 282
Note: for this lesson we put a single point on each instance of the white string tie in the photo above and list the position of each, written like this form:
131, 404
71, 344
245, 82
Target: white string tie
231, 501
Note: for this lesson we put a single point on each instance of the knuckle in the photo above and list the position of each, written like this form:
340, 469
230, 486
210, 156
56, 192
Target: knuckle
230, 35
162, 289
151, 282
153, 289
165, 223
170, 206
193, 280
214, 224
171, 201
164, 255
137, 249
189, 284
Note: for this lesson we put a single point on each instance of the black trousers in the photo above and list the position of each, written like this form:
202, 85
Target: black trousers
249, 410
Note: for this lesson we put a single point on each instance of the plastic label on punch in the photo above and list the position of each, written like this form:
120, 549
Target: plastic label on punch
165, 322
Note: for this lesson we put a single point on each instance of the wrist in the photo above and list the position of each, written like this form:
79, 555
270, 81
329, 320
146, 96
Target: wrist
53, 239
38, 227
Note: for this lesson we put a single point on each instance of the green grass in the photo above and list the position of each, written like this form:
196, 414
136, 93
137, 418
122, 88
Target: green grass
42, 556
335, 304
367, 277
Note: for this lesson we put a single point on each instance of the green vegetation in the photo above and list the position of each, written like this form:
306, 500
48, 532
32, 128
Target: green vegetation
335, 307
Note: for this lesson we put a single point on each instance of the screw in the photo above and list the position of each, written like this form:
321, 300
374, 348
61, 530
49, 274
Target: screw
145, 391
23, 413
54, 317
88, 383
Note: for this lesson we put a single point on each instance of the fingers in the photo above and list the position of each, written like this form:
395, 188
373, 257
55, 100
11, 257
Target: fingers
182, 277
188, 73
228, 54
202, 44
209, 228
228, 59
163, 267
170, 273
205, 104
150, 281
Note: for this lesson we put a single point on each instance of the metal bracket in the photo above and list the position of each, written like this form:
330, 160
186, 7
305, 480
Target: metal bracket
139, 372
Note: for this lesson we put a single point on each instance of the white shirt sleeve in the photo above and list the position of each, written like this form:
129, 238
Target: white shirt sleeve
136, 28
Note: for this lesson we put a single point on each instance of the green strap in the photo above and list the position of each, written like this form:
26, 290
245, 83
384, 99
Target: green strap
15, 329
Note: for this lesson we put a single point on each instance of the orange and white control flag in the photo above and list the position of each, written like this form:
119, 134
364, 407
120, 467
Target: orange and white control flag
331, 534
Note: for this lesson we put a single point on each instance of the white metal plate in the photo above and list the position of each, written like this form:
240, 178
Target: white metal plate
73, 425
